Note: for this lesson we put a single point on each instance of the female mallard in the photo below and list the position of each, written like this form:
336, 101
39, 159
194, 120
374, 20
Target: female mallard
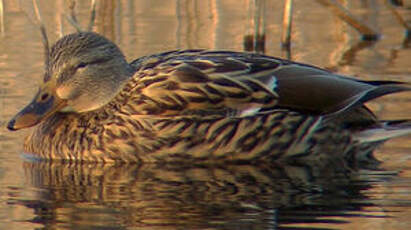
193, 105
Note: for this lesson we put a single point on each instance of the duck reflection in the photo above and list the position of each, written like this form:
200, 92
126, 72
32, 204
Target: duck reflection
180, 196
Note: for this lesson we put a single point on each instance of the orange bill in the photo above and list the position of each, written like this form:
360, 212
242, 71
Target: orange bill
43, 105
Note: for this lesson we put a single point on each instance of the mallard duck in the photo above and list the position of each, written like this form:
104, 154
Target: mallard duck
197, 105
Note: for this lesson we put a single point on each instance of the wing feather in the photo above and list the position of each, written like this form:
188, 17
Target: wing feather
244, 84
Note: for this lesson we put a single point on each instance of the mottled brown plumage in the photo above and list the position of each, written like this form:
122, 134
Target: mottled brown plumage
194, 105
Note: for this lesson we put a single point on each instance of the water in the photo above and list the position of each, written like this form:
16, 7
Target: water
36, 195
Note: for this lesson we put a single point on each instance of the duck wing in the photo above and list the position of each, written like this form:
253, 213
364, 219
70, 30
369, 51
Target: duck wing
307, 89
242, 84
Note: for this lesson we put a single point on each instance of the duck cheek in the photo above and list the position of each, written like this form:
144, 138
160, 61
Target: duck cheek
34, 113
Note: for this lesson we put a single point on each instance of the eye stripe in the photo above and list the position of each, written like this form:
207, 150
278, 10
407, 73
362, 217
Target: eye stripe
96, 61
69, 71
81, 65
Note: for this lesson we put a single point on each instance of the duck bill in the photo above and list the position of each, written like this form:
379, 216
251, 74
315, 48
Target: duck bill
42, 106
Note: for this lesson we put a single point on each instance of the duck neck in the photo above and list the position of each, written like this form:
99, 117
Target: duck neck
126, 75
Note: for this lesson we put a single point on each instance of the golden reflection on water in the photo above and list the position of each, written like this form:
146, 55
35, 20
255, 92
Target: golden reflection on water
34, 195
234, 196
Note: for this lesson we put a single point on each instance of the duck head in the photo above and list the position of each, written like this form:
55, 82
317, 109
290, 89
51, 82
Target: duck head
84, 72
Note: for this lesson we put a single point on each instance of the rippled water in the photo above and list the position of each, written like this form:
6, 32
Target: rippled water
37, 195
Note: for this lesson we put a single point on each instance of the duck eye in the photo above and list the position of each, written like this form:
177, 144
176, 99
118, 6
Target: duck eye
44, 97
81, 65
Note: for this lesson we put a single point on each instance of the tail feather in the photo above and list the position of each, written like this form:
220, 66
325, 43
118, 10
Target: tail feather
386, 130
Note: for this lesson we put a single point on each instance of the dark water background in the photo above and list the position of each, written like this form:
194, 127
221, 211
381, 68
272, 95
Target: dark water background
55, 196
